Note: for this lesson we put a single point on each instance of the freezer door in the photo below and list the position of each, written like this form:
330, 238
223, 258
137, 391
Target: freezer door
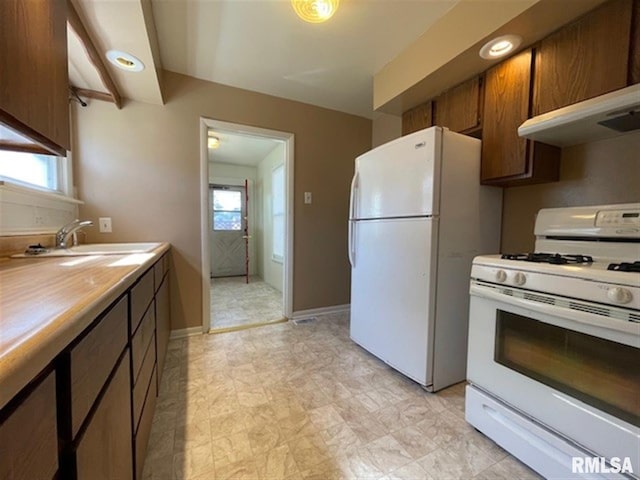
398, 179
392, 294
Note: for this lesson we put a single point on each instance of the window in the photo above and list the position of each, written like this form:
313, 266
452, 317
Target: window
227, 210
278, 208
33, 170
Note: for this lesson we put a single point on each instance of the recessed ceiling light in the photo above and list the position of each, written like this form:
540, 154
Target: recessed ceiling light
125, 61
315, 11
500, 46
213, 142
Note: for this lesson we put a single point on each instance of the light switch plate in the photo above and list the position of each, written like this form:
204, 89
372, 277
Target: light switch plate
307, 197
105, 224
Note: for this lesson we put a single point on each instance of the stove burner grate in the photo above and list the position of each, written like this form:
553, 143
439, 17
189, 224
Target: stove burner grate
625, 266
553, 258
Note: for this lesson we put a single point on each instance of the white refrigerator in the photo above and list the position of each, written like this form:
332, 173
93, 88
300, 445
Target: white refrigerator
417, 218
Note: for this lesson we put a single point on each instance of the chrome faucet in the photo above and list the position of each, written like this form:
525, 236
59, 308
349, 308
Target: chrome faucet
62, 236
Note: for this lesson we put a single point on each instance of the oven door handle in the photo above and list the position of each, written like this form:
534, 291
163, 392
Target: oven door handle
563, 314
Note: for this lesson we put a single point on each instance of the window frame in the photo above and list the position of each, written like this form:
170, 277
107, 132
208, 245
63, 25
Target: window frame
278, 169
63, 178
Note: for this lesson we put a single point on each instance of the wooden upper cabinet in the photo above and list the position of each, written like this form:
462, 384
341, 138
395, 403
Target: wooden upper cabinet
508, 159
634, 53
459, 109
34, 98
417, 118
584, 59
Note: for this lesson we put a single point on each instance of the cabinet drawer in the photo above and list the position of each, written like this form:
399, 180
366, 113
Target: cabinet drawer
159, 270
104, 451
93, 359
141, 295
142, 382
140, 340
144, 428
29, 438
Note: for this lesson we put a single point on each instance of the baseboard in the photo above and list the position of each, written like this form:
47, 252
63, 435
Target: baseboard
315, 312
185, 332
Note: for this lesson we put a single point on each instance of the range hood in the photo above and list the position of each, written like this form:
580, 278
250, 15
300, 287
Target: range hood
615, 113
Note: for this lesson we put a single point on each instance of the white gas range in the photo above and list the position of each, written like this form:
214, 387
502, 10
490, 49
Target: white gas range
554, 345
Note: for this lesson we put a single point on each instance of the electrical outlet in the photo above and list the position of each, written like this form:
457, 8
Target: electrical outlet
105, 224
307, 197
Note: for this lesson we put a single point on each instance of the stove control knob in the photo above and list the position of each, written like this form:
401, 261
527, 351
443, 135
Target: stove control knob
519, 278
619, 295
501, 276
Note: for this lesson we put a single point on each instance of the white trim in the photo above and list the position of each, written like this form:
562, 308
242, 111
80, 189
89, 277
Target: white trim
314, 312
288, 138
185, 332
36, 192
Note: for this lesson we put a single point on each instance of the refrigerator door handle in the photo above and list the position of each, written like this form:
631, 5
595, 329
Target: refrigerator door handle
352, 252
352, 197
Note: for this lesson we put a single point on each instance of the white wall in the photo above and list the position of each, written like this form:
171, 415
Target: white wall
271, 271
225, 174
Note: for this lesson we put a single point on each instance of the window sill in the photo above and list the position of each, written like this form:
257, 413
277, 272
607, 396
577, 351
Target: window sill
9, 186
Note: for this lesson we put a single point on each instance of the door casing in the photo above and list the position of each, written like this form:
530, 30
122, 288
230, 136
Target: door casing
288, 138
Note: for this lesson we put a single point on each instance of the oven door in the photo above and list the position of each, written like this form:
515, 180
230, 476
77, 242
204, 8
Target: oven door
560, 362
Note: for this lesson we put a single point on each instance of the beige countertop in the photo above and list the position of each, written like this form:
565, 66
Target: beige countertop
45, 303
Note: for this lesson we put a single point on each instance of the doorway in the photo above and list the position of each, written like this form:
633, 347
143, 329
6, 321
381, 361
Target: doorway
247, 184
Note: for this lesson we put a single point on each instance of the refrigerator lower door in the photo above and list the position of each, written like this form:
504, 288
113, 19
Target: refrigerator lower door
392, 292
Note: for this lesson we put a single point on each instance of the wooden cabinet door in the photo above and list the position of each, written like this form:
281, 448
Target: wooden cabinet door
28, 436
634, 54
105, 449
506, 106
585, 59
417, 118
34, 97
458, 109
163, 323
508, 159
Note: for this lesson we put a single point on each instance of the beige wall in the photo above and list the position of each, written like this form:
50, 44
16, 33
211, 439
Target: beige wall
140, 165
386, 127
607, 171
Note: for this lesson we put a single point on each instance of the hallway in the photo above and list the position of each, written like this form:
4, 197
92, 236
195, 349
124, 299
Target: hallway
235, 303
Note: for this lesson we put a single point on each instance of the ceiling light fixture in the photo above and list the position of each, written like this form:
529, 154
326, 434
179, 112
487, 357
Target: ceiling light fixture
315, 11
125, 61
213, 142
500, 46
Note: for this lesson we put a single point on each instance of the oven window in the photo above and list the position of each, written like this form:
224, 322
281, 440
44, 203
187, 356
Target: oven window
599, 372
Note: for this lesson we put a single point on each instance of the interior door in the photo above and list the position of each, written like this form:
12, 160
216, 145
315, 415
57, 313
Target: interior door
391, 292
227, 242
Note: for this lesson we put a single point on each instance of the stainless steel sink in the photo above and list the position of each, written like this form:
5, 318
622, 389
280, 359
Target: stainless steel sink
95, 249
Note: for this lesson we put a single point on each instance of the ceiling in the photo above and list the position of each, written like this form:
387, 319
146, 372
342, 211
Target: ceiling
241, 149
263, 46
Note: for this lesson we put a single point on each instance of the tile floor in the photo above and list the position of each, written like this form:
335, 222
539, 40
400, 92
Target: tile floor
293, 401
235, 303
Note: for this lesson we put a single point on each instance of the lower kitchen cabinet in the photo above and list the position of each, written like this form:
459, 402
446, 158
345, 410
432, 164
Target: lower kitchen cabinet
105, 448
29, 435
163, 324
508, 159
88, 415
